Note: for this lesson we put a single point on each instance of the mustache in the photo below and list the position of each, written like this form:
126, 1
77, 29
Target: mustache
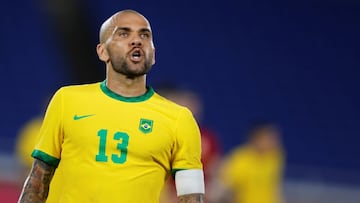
140, 49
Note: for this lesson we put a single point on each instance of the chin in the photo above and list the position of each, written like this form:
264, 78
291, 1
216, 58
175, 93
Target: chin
136, 71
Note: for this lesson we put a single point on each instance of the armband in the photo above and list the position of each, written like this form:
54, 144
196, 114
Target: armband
189, 181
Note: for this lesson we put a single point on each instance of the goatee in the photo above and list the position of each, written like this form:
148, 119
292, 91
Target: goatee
123, 68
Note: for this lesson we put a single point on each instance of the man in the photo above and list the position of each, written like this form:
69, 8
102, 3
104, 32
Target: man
116, 141
252, 173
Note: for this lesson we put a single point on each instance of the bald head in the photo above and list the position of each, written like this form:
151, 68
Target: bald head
126, 44
109, 26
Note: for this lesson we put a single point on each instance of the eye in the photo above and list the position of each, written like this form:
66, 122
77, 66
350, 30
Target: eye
123, 34
144, 35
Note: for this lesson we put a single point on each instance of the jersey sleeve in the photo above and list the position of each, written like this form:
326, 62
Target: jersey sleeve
187, 150
50, 138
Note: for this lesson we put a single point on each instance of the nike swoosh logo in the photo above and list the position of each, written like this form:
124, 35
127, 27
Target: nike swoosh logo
76, 117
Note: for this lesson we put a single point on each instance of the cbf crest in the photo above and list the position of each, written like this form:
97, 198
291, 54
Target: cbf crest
146, 125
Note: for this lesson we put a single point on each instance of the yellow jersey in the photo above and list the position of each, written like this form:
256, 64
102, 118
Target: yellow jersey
253, 178
110, 148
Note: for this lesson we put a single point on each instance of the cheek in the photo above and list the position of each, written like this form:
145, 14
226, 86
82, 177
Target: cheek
117, 49
151, 54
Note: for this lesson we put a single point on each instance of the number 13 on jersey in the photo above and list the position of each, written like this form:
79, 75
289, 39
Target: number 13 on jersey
122, 145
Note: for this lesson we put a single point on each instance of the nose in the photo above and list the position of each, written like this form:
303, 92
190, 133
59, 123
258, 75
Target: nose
136, 42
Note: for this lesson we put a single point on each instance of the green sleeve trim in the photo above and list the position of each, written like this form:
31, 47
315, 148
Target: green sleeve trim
45, 158
173, 171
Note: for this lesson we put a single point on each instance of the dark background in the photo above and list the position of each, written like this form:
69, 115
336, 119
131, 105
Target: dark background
296, 63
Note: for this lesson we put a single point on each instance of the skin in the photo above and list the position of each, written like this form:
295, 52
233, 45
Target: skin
266, 140
116, 44
192, 198
36, 186
119, 36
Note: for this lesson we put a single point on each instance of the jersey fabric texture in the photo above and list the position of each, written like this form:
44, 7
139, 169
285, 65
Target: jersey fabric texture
109, 148
253, 178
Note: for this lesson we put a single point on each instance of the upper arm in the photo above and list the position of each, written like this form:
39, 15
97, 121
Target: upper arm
187, 148
187, 158
192, 198
50, 138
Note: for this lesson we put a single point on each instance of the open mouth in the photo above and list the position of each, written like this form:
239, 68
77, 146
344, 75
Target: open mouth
136, 55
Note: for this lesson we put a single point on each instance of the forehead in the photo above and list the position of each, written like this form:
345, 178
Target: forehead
131, 20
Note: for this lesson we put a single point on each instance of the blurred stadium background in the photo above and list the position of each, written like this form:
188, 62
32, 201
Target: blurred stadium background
296, 63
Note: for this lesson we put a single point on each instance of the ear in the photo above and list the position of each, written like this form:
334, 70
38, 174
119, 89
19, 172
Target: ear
102, 52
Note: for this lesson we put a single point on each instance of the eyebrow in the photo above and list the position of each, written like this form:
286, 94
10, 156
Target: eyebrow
127, 29
145, 30
122, 28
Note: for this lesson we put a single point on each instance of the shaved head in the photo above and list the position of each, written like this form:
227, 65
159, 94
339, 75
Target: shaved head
126, 44
109, 26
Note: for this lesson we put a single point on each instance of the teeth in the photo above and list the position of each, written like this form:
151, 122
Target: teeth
136, 54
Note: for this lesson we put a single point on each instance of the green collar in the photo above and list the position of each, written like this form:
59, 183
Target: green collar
144, 97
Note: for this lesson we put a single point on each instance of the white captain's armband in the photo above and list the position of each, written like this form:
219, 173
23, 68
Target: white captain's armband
189, 181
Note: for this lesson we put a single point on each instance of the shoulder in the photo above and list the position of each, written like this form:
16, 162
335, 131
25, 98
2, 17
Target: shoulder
234, 162
169, 105
78, 90
179, 117
239, 154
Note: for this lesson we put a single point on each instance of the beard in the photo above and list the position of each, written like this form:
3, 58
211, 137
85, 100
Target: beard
122, 66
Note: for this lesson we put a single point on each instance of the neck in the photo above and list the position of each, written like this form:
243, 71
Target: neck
124, 86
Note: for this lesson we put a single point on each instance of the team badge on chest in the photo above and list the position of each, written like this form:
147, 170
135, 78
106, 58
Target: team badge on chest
146, 125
